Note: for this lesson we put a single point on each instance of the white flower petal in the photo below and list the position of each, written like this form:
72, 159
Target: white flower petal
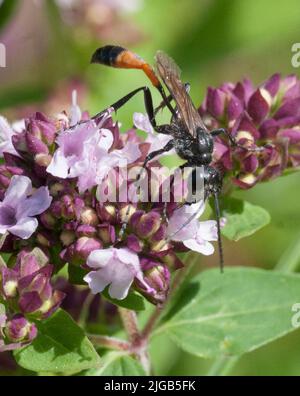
119, 289
59, 165
24, 228
141, 121
97, 283
208, 230
128, 257
99, 258
36, 204
205, 248
19, 188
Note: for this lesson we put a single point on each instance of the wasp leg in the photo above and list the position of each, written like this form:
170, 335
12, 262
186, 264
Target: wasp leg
147, 99
234, 143
169, 146
169, 99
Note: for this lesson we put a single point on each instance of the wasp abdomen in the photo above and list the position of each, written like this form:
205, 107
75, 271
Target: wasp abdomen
107, 55
115, 56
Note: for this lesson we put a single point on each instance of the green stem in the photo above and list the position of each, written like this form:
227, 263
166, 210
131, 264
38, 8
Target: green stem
109, 342
138, 344
222, 366
290, 259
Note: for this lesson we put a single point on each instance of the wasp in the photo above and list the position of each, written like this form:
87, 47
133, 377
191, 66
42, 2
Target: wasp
191, 139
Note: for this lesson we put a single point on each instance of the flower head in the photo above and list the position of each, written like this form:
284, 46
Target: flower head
266, 117
114, 267
20, 205
197, 235
6, 134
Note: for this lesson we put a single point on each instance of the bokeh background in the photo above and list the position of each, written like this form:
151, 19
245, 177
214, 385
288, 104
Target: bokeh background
49, 44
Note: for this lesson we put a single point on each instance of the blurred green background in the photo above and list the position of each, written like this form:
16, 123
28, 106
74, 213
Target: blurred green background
49, 44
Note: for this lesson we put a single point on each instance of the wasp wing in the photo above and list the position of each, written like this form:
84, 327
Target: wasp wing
170, 74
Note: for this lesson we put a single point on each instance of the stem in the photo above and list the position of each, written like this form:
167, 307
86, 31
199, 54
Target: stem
130, 323
109, 342
85, 310
290, 259
222, 366
179, 278
138, 344
152, 322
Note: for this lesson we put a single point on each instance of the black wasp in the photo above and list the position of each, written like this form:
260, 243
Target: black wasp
191, 139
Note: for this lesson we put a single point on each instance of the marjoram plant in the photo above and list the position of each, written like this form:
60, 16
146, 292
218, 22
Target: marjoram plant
75, 298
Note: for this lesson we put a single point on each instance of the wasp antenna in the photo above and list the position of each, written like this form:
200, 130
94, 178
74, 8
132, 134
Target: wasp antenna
116, 56
220, 246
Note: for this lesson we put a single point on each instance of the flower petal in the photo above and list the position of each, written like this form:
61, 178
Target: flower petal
205, 248
97, 283
19, 188
100, 258
208, 230
141, 121
59, 165
128, 257
119, 289
37, 203
24, 228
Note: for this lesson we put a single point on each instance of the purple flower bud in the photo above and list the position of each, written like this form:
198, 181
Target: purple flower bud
41, 128
48, 220
19, 329
272, 84
67, 237
107, 213
259, 105
156, 281
250, 163
78, 252
134, 243
86, 230
215, 102
289, 108
234, 108
9, 282
89, 216
107, 234
148, 224
35, 146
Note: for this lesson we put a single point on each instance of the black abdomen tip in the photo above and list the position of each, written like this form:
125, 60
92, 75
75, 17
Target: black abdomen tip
107, 55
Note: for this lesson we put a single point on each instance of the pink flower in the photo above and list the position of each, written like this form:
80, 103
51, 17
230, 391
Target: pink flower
6, 134
83, 152
114, 267
19, 206
196, 235
156, 140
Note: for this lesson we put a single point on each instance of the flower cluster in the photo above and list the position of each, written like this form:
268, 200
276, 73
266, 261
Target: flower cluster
28, 295
53, 174
265, 119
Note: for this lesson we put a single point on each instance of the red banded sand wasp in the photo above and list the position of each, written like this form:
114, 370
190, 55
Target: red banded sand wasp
191, 139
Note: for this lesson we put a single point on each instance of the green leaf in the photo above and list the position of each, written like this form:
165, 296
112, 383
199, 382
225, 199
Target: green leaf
61, 347
234, 312
7, 8
243, 218
133, 301
117, 364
